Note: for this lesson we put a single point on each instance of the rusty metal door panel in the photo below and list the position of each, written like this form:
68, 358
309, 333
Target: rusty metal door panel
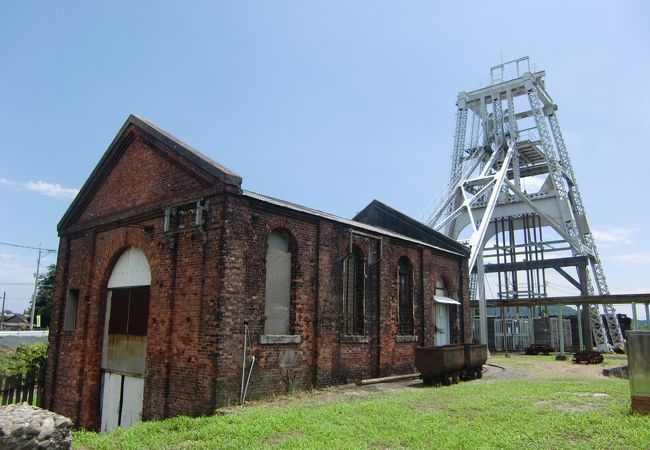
125, 334
125, 353
112, 385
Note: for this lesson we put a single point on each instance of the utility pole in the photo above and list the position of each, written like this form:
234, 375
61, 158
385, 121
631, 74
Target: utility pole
38, 267
2, 313
41, 253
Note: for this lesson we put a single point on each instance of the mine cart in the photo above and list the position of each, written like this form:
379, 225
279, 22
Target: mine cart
587, 357
441, 364
475, 357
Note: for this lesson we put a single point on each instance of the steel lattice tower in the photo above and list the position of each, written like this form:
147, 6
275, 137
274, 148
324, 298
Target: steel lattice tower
515, 143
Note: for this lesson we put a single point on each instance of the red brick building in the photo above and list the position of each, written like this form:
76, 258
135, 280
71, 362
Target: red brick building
164, 262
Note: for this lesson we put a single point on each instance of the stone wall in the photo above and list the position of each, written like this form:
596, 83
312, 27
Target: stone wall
28, 427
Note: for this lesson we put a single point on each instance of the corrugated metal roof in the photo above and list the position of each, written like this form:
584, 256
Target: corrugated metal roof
332, 217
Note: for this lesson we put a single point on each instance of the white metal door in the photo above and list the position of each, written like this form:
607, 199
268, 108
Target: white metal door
442, 324
112, 385
132, 396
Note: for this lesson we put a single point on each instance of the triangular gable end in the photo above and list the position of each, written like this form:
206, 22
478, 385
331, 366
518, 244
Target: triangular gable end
145, 165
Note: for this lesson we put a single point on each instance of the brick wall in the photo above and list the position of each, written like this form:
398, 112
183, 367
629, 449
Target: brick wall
207, 283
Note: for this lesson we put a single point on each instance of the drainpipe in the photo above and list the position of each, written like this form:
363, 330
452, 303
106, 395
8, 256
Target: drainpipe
422, 314
243, 365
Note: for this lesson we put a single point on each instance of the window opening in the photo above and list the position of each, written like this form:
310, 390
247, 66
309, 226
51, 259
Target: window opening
71, 306
405, 297
277, 307
354, 293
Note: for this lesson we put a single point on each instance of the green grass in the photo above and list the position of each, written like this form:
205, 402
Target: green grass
551, 412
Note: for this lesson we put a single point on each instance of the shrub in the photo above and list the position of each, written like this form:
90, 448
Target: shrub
25, 358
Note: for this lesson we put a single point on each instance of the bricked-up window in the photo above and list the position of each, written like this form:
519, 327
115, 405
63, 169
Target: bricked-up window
354, 293
405, 296
277, 306
71, 305
129, 311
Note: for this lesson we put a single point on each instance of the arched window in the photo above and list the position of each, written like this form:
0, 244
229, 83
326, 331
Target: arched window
405, 297
354, 293
277, 307
441, 288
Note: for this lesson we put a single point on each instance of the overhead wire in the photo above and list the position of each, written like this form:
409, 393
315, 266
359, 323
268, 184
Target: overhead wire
27, 246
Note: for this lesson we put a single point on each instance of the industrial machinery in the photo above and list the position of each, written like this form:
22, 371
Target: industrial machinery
513, 197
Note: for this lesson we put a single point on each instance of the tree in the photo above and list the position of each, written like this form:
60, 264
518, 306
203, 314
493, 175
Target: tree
44, 295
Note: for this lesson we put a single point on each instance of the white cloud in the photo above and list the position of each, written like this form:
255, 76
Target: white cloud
51, 189
613, 236
633, 258
54, 190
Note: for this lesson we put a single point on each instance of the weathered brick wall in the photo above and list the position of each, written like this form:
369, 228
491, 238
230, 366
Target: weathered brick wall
324, 356
181, 343
207, 284
168, 178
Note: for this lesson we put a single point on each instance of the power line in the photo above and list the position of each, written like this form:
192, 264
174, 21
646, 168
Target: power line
16, 284
27, 246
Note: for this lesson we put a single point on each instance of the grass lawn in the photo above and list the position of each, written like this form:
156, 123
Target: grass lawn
546, 408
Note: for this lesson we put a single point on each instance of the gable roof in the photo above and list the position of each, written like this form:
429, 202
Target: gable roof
183, 150
459, 249
383, 216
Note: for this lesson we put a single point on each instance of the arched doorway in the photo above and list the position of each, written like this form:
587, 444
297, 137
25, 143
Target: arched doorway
125, 340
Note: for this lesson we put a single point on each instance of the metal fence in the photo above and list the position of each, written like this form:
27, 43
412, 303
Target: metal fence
516, 334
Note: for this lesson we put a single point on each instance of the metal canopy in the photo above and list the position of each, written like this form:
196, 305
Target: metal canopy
445, 300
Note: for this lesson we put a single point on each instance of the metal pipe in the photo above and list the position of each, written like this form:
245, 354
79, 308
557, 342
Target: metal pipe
561, 328
635, 323
372, 236
243, 366
243, 399
579, 313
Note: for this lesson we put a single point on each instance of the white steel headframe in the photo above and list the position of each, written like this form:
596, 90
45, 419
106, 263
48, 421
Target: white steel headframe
486, 184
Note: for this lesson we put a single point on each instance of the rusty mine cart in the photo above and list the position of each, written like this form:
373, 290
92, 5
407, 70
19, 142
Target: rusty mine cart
447, 364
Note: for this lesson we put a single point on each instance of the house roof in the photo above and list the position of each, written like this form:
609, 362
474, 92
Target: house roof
182, 149
382, 215
16, 318
459, 249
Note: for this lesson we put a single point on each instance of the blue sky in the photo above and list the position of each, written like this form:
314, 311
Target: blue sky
328, 104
